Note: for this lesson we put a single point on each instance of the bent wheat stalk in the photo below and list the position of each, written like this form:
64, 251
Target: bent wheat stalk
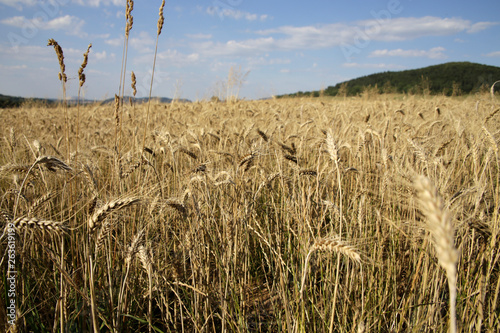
329, 244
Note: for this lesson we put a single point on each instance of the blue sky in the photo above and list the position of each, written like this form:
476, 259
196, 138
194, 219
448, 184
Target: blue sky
282, 46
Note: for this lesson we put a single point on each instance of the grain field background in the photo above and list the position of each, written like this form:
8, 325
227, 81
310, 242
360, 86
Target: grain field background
375, 213
255, 216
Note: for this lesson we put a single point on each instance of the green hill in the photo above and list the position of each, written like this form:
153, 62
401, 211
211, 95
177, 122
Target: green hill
14, 101
449, 78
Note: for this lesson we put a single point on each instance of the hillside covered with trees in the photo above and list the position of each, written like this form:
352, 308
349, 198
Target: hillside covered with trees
453, 78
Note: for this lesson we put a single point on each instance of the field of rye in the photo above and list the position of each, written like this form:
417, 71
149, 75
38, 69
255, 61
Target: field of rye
376, 214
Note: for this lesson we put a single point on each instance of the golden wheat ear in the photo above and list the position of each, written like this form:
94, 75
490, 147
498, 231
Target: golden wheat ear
111, 206
52, 163
39, 224
440, 226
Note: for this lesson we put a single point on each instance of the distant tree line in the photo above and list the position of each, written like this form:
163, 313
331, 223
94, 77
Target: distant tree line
450, 79
15, 102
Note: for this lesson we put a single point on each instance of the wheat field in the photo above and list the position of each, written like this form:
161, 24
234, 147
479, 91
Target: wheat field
362, 214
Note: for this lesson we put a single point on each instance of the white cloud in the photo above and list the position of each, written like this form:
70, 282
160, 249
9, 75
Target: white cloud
101, 55
234, 48
178, 59
170, 57
142, 42
14, 67
100, 36
493, 54
63, 22
397, 29
406, 28
16, 21
480, 26
115, 41
73, 25
18, 4
357, 34
434, 53
34, 54
377, 66
98, 3
233, 13
199, 36
265, 61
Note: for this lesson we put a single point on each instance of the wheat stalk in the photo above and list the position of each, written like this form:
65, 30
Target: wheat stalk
492, 90
132, 250
439, 224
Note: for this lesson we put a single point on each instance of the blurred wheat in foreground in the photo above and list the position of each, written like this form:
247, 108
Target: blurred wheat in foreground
440, 226
255, 216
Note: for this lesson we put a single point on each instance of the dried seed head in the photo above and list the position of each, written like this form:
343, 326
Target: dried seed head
200, 168
128, 17
37, 145
108, 208
438, 223
292, 158
60, 57
33, 222
161, 18
117, 109
52, 163
134, 246
187, 152
145, 258
134, 82
81, 75
288, 149
331, 147
247, 160
263, 135
307, 172
177, 205
335, 244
